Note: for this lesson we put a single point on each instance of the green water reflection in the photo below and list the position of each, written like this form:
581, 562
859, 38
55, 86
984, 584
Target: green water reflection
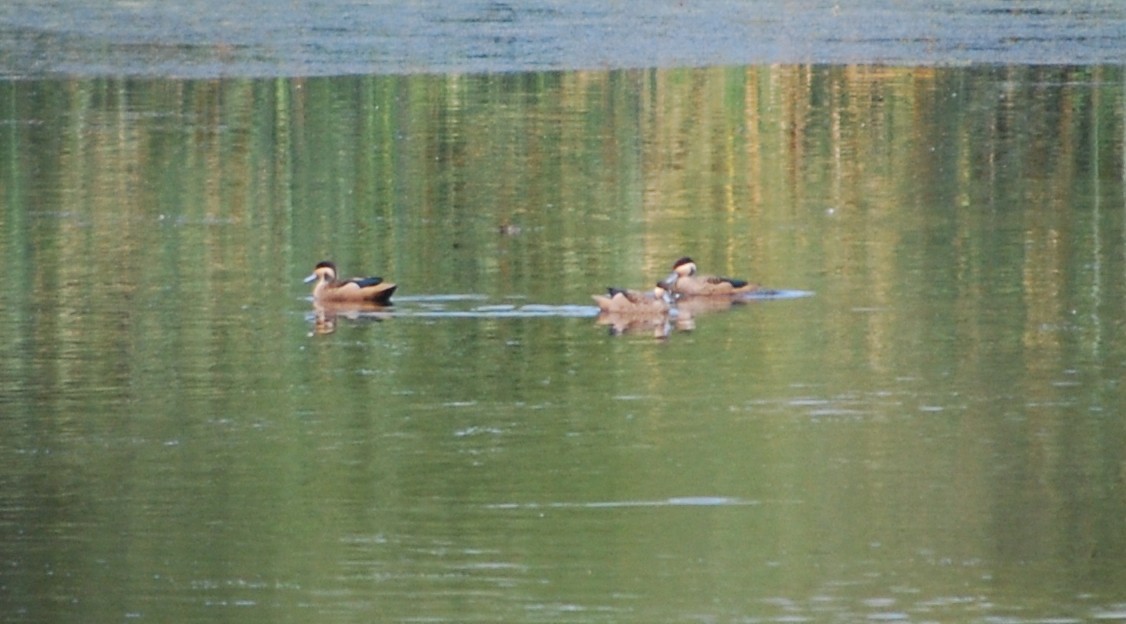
937, 434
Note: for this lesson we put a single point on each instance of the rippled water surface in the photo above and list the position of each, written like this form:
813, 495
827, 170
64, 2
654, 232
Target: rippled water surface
923, 423
207, 38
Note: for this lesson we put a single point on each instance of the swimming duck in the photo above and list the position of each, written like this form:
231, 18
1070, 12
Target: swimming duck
622, 301
684, 281
330, 290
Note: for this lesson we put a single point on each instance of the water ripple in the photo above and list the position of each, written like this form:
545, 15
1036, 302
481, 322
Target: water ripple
683, 501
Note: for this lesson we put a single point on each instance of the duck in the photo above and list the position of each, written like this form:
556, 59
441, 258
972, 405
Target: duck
358, 289
685, 282
624, 301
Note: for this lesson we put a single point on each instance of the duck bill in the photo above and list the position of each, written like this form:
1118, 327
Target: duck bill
310, 278
669, 282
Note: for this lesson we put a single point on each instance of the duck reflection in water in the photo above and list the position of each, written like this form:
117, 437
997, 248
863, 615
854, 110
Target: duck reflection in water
326, 314
688, 309
658, 326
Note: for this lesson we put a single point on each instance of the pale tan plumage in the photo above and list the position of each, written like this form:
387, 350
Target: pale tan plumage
330, 290
684, 281
622, 301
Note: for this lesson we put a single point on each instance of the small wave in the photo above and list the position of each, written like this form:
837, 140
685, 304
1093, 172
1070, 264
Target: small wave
773, 293
504, 311
441, 298
684, 501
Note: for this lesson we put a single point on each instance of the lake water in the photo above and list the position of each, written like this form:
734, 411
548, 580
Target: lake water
930, 427
207, 38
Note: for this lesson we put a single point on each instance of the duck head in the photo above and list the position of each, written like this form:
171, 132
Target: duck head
683, 267
325, 271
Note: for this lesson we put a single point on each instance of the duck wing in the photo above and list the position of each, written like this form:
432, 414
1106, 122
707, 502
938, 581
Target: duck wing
735, 283
364, 282
632, 296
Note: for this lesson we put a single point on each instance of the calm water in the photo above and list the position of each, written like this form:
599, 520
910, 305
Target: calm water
208, 38
936, 434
